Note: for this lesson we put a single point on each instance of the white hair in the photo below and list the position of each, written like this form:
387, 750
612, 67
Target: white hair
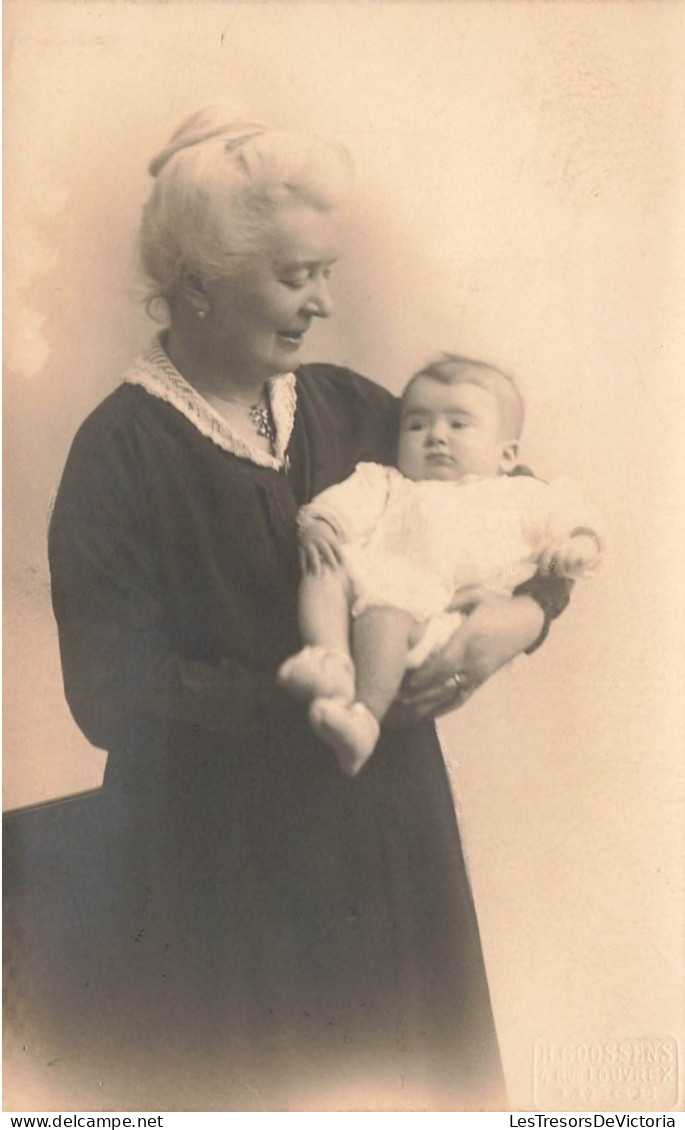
218, 183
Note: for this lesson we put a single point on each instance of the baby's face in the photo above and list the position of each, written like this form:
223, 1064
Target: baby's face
448, 431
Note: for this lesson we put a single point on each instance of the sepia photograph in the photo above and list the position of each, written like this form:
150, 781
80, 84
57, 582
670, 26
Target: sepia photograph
343, 603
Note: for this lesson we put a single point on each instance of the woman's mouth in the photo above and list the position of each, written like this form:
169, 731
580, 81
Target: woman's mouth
292, 338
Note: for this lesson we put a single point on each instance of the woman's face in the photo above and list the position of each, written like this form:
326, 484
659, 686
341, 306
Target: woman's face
258, 317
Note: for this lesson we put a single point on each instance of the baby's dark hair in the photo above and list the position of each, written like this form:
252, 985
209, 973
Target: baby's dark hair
453, 369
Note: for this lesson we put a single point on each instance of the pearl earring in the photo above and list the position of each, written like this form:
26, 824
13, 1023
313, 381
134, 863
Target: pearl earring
202, 313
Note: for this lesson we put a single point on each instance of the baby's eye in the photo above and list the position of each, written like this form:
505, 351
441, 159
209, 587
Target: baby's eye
414, 426
457, 424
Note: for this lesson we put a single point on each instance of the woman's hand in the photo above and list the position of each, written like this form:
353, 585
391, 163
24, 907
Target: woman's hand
493, 632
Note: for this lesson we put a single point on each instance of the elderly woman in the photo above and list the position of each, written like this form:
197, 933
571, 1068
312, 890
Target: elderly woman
279, 936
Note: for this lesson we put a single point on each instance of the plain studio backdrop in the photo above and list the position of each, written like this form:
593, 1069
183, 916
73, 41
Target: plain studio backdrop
520, 198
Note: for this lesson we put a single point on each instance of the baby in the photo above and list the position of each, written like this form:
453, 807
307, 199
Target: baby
392, 546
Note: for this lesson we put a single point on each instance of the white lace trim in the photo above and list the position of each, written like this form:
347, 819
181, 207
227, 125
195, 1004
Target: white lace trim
154, 372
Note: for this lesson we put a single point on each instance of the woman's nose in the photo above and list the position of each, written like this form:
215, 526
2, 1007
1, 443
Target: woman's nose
319, 302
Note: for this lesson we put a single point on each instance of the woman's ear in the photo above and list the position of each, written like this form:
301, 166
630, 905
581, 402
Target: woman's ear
509, 457
194, 291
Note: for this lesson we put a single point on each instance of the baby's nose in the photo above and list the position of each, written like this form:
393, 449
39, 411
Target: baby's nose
437, 432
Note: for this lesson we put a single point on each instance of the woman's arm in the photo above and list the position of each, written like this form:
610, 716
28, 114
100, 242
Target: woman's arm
122, 672
497, 629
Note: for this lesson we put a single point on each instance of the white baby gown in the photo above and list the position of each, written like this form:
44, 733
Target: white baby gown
412, 545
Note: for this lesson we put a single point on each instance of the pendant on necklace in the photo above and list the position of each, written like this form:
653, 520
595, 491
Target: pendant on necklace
261, 418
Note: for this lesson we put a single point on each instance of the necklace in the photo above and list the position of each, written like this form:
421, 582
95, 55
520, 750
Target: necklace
260, 414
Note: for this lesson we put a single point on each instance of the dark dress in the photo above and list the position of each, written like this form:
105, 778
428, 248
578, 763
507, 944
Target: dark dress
262, 932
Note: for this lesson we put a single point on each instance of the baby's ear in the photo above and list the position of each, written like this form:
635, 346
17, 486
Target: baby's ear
509, 457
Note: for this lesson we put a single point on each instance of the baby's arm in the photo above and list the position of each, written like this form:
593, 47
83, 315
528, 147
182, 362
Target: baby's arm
570, 544
576, 556
319, 544
342, 513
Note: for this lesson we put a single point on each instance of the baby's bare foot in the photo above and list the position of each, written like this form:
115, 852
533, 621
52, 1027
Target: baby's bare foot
350, 730
318, 672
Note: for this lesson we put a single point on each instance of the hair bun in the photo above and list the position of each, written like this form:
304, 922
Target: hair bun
203, 126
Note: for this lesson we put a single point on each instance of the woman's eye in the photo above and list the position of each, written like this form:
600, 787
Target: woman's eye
296, 282
457, 424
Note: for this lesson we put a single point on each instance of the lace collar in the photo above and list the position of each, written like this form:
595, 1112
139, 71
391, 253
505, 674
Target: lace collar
154, 372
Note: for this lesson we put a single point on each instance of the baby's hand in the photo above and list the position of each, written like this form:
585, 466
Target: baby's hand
573, 558
319, 546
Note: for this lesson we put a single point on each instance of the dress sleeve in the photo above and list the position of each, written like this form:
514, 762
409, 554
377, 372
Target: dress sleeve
121, 671
353, 507
552, 594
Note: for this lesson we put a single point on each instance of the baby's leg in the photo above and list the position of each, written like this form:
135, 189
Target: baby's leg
381, 640
324, 609
380, 645
324, 666
431, 636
